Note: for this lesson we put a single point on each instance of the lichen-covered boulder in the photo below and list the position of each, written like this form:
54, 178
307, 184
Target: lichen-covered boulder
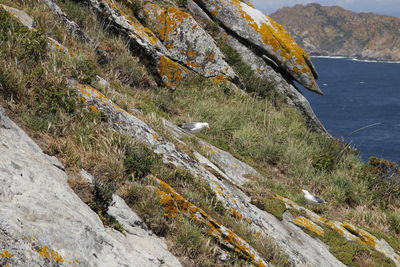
266, 36
186, 41
44, 223
142, 40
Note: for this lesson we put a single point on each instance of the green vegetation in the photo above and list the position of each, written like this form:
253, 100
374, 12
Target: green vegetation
275, 207
353, 254
102, 199
257, 128
82, 140
181, 3
267, 202
252, 82
139, 161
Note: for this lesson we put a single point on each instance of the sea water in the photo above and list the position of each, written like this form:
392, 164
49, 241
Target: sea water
361, 104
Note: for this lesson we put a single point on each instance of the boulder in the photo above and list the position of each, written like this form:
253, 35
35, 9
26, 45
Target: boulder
266, 36
44, 223
186, 41
20, 15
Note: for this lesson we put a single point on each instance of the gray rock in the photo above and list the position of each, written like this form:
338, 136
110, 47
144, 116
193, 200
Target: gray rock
43, 222
24, 18
265, 35
76, 30
186, 41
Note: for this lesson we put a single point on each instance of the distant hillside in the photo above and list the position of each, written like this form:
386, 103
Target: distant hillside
334, 31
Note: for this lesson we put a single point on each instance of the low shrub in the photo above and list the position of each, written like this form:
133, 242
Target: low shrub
139, 160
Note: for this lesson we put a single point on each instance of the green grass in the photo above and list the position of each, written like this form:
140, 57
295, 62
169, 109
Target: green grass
353, 254
82, 140
265, 133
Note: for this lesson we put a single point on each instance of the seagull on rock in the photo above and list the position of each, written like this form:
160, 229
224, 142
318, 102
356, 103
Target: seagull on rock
194, 127
313, 199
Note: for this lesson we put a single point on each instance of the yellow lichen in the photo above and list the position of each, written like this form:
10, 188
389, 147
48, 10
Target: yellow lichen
168, 19
363, 236
5, 254
142, 31
279, 39
94, 108
175, 204
171, 72
235, 213
48, 253
88, 92
306, 223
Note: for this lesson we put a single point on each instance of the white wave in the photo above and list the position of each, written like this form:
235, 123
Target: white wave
358, 60
334, 57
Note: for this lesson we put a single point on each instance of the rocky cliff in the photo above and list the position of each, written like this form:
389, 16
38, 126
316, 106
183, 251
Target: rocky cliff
94, 170
334, 31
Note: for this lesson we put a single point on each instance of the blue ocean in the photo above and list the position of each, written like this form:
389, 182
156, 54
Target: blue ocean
361, 104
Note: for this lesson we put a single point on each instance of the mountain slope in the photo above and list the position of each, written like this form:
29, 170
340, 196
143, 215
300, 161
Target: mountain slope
101, 86
334, 31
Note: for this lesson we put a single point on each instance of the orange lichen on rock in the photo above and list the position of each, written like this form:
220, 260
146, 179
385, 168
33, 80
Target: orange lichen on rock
175, 204
5, 254
48, 253
167, 19
346, 230
306, 223
235, 213
143, 32
363, 236
220, 79
171, 72
89, 92
94, 108
275, 35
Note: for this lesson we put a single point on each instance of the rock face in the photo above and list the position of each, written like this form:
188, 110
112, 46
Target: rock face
43, 222
186, 41
173, 50
266, 69
267, 37
174, 46
334, 31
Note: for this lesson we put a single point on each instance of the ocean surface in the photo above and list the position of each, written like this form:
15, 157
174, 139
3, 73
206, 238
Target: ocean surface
361, 104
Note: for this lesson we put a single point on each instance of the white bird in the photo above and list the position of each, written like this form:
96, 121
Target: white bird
313, 199
194, 127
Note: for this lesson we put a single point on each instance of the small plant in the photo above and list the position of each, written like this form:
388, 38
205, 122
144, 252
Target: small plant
84, 69
330, 154
383, 179
102, 199
181, 3
253, 83
136, 6
189, 239
102, 196
271, 205
212, 28
139, 160
394, 222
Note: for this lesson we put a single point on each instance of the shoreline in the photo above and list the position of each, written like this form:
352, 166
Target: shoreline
358, 60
